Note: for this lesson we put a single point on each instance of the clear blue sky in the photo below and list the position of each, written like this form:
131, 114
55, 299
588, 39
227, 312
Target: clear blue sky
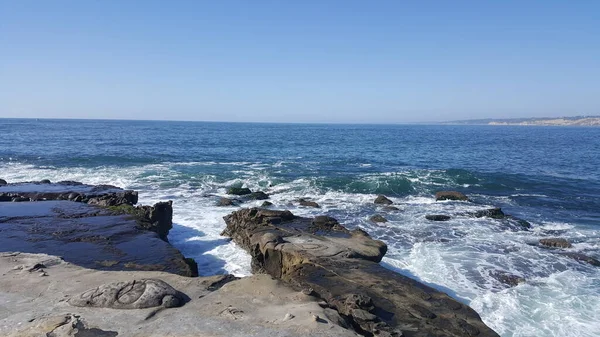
299, 60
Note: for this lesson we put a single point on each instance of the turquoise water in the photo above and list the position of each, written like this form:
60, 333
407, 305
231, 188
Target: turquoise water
546, 175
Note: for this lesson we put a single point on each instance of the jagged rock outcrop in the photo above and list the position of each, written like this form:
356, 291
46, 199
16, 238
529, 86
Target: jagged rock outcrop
341, 267
450, 195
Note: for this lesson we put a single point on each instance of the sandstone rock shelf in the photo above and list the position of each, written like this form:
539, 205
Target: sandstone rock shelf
322, 257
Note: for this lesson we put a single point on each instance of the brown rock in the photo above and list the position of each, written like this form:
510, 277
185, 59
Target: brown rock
450, 195
341, 267
556, 243
307, 203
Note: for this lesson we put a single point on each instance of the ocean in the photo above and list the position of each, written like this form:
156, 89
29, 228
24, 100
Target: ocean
548, 176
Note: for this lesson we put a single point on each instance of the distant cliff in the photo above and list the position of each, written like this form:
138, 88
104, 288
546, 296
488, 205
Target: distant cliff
543, 121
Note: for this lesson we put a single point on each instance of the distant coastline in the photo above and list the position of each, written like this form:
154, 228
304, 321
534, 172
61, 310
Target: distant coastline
540, 121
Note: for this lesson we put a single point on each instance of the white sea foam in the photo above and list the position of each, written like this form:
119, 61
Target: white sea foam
560, 297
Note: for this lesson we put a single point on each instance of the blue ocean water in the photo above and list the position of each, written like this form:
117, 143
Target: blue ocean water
546, 175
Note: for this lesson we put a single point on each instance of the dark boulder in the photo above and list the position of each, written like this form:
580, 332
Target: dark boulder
3, 182
391, 208
341, 267
437, 217
238, 191
308, 203
495, 213
382, 200
377, 218
556, 243
450, 195
258, 196
266, 204
45, 181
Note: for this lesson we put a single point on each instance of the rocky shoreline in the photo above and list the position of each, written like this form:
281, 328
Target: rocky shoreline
82, 260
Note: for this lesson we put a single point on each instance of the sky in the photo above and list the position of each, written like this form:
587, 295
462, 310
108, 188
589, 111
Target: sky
299, 60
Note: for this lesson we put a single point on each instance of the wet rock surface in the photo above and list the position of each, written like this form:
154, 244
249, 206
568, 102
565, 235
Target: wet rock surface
555, 243
117, 237
382, 200
308, 203
239, 191
378, 218
341, 267
450, 195
437, 217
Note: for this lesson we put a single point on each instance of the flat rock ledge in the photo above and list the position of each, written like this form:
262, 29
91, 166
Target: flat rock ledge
72, 301
321, 257
95, 227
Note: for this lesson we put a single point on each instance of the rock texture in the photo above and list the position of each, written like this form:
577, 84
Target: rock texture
341, 267
450, 195
135, 294
218, 306
556, 243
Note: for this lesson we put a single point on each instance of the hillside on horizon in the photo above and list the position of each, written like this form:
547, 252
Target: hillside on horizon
542, 121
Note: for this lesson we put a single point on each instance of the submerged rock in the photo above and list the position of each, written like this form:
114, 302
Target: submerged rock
437, 217
382, 200
136, 294
450, 195
495, 213
341, 267
226, 202
258, 196
555, 243
266, 204
582, 258
506, 278
238, 191
378, 218
308, 203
